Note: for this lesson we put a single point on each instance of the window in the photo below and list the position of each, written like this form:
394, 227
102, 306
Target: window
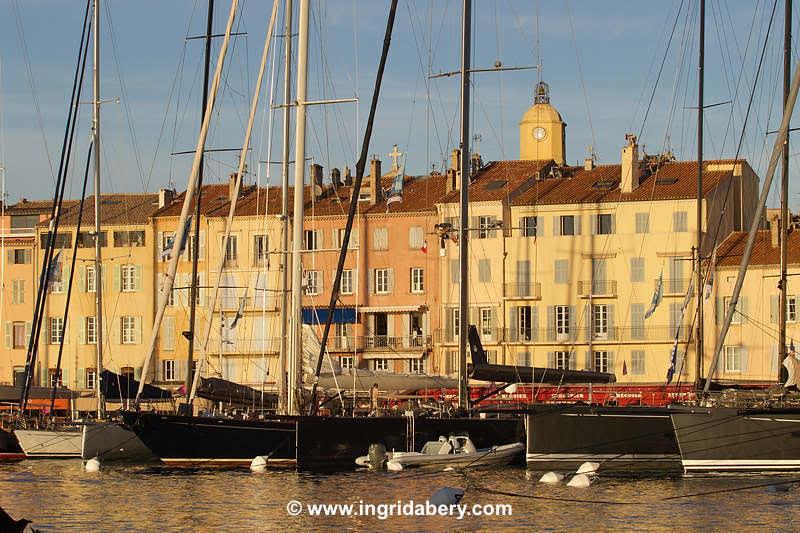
342, 336
381, 281
24, 223
91, 378
56, 330
126, 371
18, 291
637, 269
260, 250
484, 270
128, 274
562, 321
456, 323
167, 335
62, 240
733, 359
55, 377
416, 238
91, 279
487, 322
680, 221
86, 239
524, 359
737, 316
791, 309
417, 280
566, 225
346, 361
19, 256
637, 362
561, 268
90, 330
346, 283
637, 321
129, 330
313, 285
312, 239
20, 333
380, 239
604, 224
485, 225
166, 243
524, 323
416, 366
128, 238
338, 238
562, 360
232, 251
380, 364
601, 361
168, 369
600, 321
455, 271
642, 222
529, 226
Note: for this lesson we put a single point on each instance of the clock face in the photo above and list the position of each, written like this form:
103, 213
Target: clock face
539, 133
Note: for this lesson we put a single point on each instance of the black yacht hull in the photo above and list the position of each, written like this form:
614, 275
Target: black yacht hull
9, 447
722, 439
300, 441
623, 440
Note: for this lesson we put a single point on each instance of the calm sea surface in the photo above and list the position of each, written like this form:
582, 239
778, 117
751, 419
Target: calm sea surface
60, 496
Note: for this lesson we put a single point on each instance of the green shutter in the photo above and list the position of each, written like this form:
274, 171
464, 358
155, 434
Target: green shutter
9, 335
82, 278
137, 277
81, 378
117, 276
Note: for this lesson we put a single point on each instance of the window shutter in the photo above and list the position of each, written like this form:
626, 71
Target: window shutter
593, 223
201, 289
587, 360
551, 323
137, 373
493, 232
117, 275
774, 360
391, 279
10, 256
613, 223
82, 278
573, 363
371, 325
448, 324
474, 223
159, 246
201, 247
577, 224
586, 321
102, 281
137, 330
721, 363
27, 333
513, 329
81, 378
539, 226
610, 362
743, 352
65, 376
773, 311
556, 226
390, 325
484, 270
455, 271
82, 331
551, 359
65, 277
371, 281
9, 335
534, 323
137, 277
612, 331
743, 308
320, 238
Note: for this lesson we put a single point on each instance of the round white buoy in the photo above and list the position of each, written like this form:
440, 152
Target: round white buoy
258, 464
449, 469
588, 468
92, 465
551, 477
394, 466
580, 481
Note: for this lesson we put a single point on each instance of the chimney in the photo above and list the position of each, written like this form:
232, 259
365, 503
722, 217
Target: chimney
588, 163
165, 197
375, 176
232, 185
453, 181
336, 178
348, 177
631, 170
775, 231
316, 179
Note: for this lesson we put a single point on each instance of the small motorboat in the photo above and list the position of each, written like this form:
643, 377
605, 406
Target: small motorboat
454, 451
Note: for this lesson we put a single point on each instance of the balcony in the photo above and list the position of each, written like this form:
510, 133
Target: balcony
674, 286
404, 342
529, 290
599, 288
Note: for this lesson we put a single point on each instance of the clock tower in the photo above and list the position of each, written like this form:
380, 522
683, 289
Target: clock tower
541, 130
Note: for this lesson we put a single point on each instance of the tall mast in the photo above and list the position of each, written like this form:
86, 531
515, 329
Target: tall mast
784, 224
287, 118
196, 237
98, 271
297, 228
463, 255
698, 341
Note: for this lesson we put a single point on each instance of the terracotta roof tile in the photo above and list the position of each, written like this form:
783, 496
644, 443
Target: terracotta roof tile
115, 209
497, 180
729, 252
36, 207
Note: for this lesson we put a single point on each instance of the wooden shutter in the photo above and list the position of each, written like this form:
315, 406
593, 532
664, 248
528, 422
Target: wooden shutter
82, 278
390, 276
610, 361
551, 323
201, 248
551, 359
117, 273
137, 277
137, 330
556, 226
773, 310
371, 281
612, 330
116, 330
587, 360
27, 333
744, 361
513, 329
573, 328
9, 329
534, 323
573, 363
449, 327
82, 330
577, 224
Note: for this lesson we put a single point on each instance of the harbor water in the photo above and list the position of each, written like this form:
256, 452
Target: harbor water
59, 495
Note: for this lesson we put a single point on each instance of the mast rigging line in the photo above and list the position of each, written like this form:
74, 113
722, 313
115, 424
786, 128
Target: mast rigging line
58, 198
362, 161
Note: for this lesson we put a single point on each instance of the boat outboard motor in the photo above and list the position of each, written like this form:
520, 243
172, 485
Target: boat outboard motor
377, 456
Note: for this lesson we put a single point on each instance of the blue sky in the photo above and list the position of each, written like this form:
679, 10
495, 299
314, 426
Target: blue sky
600, 58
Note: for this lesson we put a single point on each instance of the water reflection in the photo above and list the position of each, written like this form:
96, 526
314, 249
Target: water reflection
60, 496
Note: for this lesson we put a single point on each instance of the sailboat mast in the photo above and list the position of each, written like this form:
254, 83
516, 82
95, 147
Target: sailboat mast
698, 271
784, 224
297, 228
287, 119
463, 255
98, 271
196, 237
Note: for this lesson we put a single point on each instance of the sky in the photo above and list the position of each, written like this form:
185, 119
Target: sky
613, 68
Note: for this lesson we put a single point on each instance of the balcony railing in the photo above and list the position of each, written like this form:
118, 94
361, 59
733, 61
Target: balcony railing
598, 287
405, 342
674, 286
532, 289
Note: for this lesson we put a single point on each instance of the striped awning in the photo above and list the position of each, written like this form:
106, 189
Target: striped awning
392, 309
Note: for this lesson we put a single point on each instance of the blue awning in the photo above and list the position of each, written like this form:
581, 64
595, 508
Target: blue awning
344, 315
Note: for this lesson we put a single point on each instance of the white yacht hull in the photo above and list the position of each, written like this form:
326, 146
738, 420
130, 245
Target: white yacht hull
49, 444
